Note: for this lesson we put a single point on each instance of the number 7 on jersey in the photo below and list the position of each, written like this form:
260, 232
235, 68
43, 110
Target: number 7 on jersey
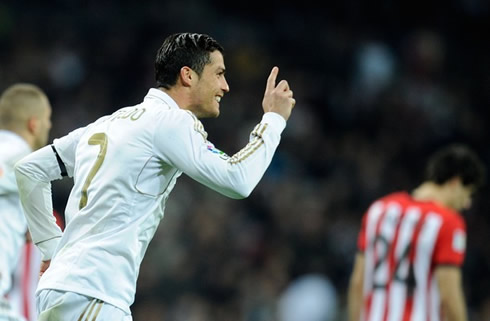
101, 140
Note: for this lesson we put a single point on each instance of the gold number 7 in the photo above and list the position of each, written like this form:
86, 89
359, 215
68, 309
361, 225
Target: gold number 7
95, 139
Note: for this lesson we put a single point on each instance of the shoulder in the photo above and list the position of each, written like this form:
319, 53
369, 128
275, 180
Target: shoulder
400, 196
449, 217
181, 120
453, 220
13, 147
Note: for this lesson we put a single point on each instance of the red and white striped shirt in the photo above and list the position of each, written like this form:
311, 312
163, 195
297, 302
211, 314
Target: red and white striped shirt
22, 296
403, 240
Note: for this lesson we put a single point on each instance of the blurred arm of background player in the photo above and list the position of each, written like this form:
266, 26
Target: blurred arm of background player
450, 288
355, 295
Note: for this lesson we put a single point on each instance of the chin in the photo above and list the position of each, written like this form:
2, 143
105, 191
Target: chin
213, 113
209, 115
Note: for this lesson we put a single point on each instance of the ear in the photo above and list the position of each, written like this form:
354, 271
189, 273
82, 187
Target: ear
454, 183
32, 125
186, 76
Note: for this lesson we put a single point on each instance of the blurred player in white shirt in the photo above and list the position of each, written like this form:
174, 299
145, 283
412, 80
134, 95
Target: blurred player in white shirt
124, 167
24, 126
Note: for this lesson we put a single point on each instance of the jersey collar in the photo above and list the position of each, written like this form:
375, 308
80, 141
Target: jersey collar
157, 94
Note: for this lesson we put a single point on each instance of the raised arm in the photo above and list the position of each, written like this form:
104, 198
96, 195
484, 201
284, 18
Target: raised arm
182, 142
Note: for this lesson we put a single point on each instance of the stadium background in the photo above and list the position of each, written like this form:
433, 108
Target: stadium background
379, 85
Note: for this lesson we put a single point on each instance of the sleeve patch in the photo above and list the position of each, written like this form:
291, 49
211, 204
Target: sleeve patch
459, 241
214, 150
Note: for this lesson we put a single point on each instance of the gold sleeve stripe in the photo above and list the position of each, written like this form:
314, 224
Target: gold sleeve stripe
85, 310
100, 303
91, 310
245, 150
259, 130
256, 130
251, 147
198, 126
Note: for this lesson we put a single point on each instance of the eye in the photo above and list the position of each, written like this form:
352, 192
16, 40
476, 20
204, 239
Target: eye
221, 73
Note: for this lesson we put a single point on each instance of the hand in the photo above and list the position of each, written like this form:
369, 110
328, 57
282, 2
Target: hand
278, 99
44, 267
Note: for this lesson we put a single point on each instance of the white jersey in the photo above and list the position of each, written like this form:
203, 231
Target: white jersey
124, 167
13, 224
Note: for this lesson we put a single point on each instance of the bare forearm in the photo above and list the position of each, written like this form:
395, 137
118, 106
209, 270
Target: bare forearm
454, 308
451, 292
355, 293
354, 303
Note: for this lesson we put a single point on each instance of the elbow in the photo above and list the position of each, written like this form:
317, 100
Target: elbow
239, 194
244, 195
20, 176
244, 184
19, 167
239, 191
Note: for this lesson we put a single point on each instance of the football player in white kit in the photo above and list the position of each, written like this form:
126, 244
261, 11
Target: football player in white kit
124, 167
25, 114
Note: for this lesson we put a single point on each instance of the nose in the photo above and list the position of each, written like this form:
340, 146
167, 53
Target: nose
224, 85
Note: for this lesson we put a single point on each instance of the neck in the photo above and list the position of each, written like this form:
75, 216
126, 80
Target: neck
429, 191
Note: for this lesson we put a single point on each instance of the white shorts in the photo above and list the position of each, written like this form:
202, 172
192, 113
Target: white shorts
6, 312
53, 305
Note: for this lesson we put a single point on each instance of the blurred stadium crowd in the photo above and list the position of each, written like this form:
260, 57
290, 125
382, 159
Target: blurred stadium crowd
378, 87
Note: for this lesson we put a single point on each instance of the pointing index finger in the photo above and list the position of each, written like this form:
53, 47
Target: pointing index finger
271, 81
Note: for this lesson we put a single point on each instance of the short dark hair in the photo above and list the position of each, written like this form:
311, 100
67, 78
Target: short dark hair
456, 160
183, 49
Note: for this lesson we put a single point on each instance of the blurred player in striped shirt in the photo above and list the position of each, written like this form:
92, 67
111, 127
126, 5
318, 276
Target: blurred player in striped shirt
412, 246
22, 296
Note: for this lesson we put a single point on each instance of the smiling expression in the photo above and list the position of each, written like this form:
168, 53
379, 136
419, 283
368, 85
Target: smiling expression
210, 87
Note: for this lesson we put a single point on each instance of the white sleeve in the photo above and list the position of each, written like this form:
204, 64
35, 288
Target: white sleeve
184, 145
7, 179
66, 148
34, 174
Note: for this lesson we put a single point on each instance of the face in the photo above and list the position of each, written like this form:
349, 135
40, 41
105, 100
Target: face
43, 126
461, 196
210, 87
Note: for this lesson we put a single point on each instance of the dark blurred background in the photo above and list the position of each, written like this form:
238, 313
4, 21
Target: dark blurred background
379, 85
